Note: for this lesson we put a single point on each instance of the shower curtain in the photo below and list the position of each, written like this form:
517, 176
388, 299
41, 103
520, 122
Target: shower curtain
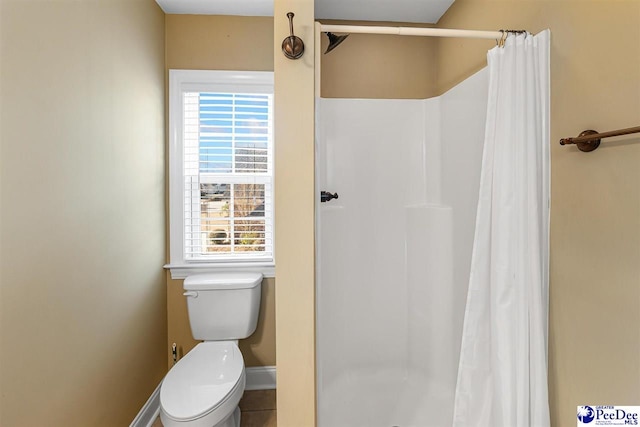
502, 375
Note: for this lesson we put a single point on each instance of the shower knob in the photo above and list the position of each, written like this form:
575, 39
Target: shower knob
325, 196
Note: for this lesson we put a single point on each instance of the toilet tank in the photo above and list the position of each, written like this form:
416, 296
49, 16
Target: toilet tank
223, 306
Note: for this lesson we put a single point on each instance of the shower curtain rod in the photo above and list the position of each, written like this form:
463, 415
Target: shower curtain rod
412, 31
401, 31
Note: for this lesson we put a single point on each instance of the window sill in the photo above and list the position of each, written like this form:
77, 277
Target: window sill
181, 271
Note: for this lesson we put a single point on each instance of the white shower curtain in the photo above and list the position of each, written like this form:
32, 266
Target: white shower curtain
502, 376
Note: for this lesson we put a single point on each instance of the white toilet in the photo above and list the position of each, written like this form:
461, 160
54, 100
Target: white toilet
203, 389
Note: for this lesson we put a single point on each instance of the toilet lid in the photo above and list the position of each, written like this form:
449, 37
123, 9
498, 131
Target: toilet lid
201, 380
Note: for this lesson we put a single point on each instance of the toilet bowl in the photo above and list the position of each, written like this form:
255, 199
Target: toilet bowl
203, 389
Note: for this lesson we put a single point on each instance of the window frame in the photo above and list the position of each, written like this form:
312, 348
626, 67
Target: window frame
181, 81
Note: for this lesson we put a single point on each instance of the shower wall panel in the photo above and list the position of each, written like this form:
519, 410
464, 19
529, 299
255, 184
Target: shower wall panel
464, 112
392, 254
366, 145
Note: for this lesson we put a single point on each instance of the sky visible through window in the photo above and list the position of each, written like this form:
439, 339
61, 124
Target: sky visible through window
233, 121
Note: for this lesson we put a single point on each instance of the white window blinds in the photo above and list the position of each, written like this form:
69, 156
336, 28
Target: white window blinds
228, 176
221, 206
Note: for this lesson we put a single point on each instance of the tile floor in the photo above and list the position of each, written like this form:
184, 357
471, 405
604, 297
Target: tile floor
258, 409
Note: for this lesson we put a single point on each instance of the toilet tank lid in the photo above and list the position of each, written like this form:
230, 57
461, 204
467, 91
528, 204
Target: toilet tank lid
212, 281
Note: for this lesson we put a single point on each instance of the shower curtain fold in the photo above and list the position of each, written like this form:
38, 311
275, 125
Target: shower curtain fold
502, 374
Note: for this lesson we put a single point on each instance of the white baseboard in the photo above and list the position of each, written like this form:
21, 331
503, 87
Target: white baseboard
261, 378
150, 411
258, 378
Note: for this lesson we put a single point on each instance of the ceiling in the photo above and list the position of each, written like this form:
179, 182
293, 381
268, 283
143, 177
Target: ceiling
419, 11
218, 7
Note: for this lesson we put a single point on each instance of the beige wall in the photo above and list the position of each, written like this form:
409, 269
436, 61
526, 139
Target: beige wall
82, 311
295, 198
197, 42
594, 337
221, 43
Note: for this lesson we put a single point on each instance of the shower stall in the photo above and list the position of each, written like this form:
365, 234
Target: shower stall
394, 252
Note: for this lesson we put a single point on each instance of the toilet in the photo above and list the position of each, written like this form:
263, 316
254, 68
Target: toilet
203, 389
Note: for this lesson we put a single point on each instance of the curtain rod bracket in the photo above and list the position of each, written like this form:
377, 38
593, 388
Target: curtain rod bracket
589, 140
584, 146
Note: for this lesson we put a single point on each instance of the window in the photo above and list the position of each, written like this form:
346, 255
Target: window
221, 171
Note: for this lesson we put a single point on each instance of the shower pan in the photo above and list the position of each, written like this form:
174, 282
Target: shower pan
393, 253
